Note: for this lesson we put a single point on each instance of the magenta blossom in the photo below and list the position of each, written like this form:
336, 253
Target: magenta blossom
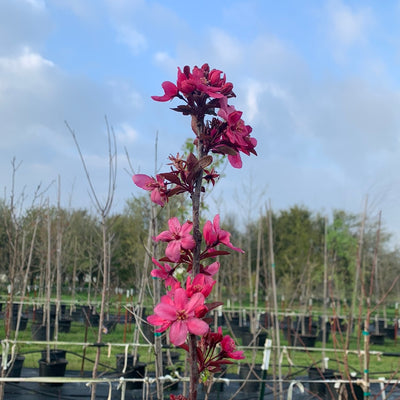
165, 272
155, 186
229, 349
177, 237
237, 133
179, 314
214, 235
201, 284
170, 91
198, 81
209, 271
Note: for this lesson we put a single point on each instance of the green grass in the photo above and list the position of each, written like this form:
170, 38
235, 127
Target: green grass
301, 359
32, 352
379, 365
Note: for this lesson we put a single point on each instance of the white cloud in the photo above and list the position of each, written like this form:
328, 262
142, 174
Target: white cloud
165, 61
228, 48
27, 60
129, 36
126, 134
23, 23
40, 4
82, 9
348, 26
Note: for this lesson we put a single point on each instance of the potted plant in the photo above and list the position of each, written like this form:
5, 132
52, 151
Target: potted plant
129, 368
53, 362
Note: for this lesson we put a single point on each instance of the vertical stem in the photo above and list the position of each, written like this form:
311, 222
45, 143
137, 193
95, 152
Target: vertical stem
48, 285
156, 288
194, 369
103, 302
253, 326
74, 273
58, 262
325, 292
275, 297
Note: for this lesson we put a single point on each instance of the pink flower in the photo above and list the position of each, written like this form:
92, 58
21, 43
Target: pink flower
237, 134
209, 271
201, 284
155, 186
212, 83
178, 238
185, 83
229, 349
165, 272
214, 235
170, 91
179, 314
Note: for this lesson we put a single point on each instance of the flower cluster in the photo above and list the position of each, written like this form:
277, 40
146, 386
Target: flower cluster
184, 309
203, 91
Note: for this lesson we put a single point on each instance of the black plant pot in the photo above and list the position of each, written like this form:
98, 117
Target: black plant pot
53, 369
94, 320
234, 320
39, 331
22, 323
238, 330
38, 315
110, 325
170, 370
120, 361
77, 314
346, 392
55, 354
306, 340
288, 334
90, 318
253, 377
261, 338
390, 332
135, 372
173, 355
249, 339
64, 325
321, 334
324, 390
170, 365
266, 320
378, 339
15, 368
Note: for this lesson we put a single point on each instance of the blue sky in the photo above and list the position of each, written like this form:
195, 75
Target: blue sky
317, 80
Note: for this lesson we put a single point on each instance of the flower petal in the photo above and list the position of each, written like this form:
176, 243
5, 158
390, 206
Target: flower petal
170, 91
164, 236
187, 242
174, 225
178, 333
213, 268
209, 234
197, 326
173, 251
180, 299
142, 181
186, 228
165, 311
235, 160
195, 301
